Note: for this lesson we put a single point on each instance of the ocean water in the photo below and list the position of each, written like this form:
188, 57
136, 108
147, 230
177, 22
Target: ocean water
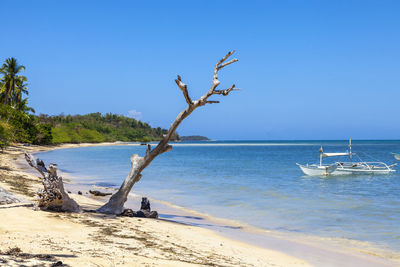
258, 182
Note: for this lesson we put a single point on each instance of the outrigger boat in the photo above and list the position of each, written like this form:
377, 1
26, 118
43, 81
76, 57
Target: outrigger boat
321, 169
345, 168
396, 156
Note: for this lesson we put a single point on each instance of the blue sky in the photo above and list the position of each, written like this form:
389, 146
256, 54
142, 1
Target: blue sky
307, 69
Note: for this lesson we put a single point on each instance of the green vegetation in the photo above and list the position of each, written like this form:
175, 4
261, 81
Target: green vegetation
95, 127
18, 124
194, 138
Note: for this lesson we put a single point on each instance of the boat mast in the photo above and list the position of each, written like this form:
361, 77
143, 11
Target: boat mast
321, 151
351, 159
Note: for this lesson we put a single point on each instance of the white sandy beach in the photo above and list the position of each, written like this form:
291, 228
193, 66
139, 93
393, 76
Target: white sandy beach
90, 239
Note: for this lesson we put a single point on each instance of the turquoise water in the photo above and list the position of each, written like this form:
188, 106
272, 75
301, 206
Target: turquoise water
258, 182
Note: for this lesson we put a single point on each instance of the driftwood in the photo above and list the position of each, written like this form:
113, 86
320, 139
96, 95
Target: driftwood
144, 212
52, 196
9, 198
116, 203
98, 193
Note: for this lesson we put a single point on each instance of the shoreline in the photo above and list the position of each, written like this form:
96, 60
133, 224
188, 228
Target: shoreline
306, 249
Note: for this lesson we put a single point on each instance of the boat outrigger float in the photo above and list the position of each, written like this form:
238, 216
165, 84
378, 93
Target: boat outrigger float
396, 156
345, 168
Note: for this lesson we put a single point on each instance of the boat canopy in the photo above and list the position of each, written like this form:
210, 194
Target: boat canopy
324, 155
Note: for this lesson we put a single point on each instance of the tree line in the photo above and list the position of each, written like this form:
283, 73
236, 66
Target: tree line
18, 123
95, 127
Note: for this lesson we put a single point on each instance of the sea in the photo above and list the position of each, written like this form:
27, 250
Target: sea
258, 183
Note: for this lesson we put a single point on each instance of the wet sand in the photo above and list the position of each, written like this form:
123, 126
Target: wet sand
180, 237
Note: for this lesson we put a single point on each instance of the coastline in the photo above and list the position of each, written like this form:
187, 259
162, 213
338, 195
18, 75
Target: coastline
251, 248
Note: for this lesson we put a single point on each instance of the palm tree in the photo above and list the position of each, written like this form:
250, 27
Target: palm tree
1, 90
23, 106
10, 70
21, 87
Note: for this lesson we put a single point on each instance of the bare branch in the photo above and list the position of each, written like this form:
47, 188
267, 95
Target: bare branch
230, 53
226, 91
148, 150
227, 63
37, 164
212, 102
137, 179
185, 92
215, 81
116, 203
167, 149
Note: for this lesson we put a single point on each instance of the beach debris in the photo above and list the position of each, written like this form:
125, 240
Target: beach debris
79, 193
145, 204
16, 257
115, 204
58, 263
52, 196
9, 198
98, 193
147, 214
14, 251
144, 212
128, 213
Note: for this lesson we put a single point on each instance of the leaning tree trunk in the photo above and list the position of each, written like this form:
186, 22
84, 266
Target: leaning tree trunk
52, 196
116, 203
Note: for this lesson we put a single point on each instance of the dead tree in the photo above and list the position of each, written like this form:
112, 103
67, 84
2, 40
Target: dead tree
52, 196
116, 203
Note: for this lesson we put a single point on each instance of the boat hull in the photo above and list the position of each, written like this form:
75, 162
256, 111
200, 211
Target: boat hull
396, 156
314, 170
349, 171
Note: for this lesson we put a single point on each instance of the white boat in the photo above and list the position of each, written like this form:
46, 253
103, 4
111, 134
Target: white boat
321, 169
317, 170
345, 168
396, 156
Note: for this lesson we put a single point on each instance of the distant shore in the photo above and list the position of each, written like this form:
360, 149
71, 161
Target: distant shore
99, 239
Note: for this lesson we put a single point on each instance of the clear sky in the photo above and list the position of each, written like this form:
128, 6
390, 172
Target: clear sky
307, 69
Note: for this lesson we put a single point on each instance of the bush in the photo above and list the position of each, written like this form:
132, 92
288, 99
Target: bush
5, 135
44, 135
96, 127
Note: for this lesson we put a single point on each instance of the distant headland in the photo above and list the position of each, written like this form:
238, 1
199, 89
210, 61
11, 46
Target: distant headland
194, 138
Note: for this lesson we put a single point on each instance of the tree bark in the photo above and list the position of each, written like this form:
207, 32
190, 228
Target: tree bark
116, 203
52, 196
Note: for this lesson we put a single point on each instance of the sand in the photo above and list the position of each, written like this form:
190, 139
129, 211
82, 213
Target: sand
89, 239
30, 237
